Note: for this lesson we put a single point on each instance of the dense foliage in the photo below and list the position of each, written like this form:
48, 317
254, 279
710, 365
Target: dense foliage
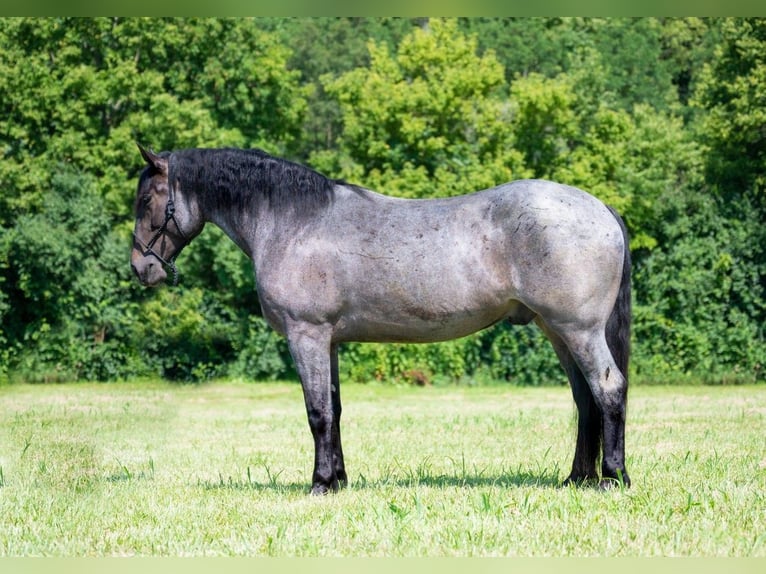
662, 118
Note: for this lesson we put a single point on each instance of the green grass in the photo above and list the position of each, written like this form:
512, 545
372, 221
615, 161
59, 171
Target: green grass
224, 469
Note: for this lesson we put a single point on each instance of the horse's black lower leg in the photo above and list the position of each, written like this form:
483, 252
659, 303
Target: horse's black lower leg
588, 446
613, 471
600, 392
310, 349
609, 391
337, 449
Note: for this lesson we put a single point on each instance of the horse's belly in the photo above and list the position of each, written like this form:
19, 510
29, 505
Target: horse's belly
434, 293
412, 323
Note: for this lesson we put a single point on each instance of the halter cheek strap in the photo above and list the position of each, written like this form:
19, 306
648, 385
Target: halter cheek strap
170, 210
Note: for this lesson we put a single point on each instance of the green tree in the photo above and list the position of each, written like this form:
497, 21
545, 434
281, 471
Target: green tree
687, 43
428, 120
729, 105
628, 160
660, 117
81, 91
527, 45
75, 95
67, 285
330, 45
732, 91
700, 295
647, 61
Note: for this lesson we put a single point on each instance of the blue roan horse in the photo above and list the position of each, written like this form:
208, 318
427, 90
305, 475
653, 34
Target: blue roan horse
336, 262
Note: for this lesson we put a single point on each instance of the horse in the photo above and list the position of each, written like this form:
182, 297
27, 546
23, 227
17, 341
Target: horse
336, 262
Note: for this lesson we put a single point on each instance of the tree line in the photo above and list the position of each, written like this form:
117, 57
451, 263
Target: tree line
663, 118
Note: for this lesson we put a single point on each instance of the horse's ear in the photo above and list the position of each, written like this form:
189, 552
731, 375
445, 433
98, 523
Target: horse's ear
151, 158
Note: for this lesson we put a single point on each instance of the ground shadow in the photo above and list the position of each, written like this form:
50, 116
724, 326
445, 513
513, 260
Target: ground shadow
542, 479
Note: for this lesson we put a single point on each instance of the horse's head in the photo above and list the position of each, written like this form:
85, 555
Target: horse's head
164, 222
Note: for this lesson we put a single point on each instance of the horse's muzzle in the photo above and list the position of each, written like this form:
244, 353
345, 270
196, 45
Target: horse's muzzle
148, 270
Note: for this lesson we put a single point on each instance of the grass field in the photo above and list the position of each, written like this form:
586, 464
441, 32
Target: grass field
223, 469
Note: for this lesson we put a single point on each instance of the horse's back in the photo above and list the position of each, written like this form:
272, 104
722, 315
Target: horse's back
390, 269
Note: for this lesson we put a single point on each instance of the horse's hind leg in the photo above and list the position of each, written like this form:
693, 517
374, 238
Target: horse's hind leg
588, 446
609, 391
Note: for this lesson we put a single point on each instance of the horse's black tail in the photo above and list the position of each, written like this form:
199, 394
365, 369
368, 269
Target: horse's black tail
618, 326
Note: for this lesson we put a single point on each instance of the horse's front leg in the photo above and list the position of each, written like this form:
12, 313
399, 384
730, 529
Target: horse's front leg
338, 463
310, 347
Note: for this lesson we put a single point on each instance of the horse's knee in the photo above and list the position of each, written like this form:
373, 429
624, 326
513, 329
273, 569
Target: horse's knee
320, 422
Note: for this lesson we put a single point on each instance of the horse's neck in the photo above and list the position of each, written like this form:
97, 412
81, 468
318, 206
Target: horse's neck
241, 228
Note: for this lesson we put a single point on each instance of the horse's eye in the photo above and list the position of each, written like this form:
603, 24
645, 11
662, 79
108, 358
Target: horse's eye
146, 199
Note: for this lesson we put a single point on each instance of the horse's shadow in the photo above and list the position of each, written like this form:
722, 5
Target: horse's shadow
544, 479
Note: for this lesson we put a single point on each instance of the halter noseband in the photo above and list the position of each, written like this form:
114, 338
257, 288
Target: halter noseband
170, 210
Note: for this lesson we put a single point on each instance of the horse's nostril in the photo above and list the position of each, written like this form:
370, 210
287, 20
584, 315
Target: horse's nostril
143, 271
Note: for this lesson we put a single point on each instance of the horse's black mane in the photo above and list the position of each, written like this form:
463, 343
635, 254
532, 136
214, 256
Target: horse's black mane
237, 178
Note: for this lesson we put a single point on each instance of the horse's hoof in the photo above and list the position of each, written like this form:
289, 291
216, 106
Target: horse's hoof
578, 480
320, 489
610, 483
